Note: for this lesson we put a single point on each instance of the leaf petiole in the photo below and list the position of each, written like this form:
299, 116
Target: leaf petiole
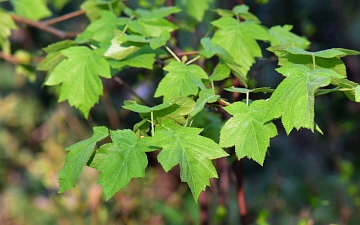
313, 58
172, 53
152, 123
193, 60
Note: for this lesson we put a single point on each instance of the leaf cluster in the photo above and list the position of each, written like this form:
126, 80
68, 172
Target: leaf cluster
119, 37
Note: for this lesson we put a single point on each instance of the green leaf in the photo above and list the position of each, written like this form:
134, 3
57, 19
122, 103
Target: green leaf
151, 27
59, 4
182, 145
326, 59
133, 106
210, 122
78, 156
293, 100
93, 7
343, 83
248, 131
210, 50
245, 90
79, 74
6, 25
31, 9
181, 81
152, 23
51, 61
139, 61
142, 128
239, 40
281, 35
221, 72
205, 96
196, 9
178, 109
102, 29
54, 56
243, 12
117, 50
56, 47
159, 41
120, 161
357, 94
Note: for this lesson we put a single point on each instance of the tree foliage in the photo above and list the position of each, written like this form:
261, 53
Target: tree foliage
118, 36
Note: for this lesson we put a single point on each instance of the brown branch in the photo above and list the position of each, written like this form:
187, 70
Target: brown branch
131, 91
41, 26
9, 58
63, 17
240, 191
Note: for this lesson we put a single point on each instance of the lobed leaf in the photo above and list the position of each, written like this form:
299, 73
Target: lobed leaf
293, 100
31, 9
120, 161
280, 35
239, 40
181, 81
78, 156
248, 131
205, 96
183, 145
78, 75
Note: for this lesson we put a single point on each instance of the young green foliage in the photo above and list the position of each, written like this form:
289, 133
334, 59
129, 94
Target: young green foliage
31, 9
78, 156
184, 146
79, 76
239, 39
120, 161
248, 130
181, 81
293, 100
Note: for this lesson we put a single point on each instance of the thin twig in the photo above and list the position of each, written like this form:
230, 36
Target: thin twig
63, 17
9, 58
172, 53
131, 91
181, 54
39, 25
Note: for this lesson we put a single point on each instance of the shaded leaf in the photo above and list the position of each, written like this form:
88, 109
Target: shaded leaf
120, 161
93, 7
282, 35
205, 96
101, 29
31, 9
77, 158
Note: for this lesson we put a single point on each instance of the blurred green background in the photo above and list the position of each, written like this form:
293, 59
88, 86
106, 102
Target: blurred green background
306, 179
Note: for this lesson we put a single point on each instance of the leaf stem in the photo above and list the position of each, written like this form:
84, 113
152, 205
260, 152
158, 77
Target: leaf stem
313, 58
127, 25
247, 98
212, 84
110, 7
172, 53
152, 123
193, 60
